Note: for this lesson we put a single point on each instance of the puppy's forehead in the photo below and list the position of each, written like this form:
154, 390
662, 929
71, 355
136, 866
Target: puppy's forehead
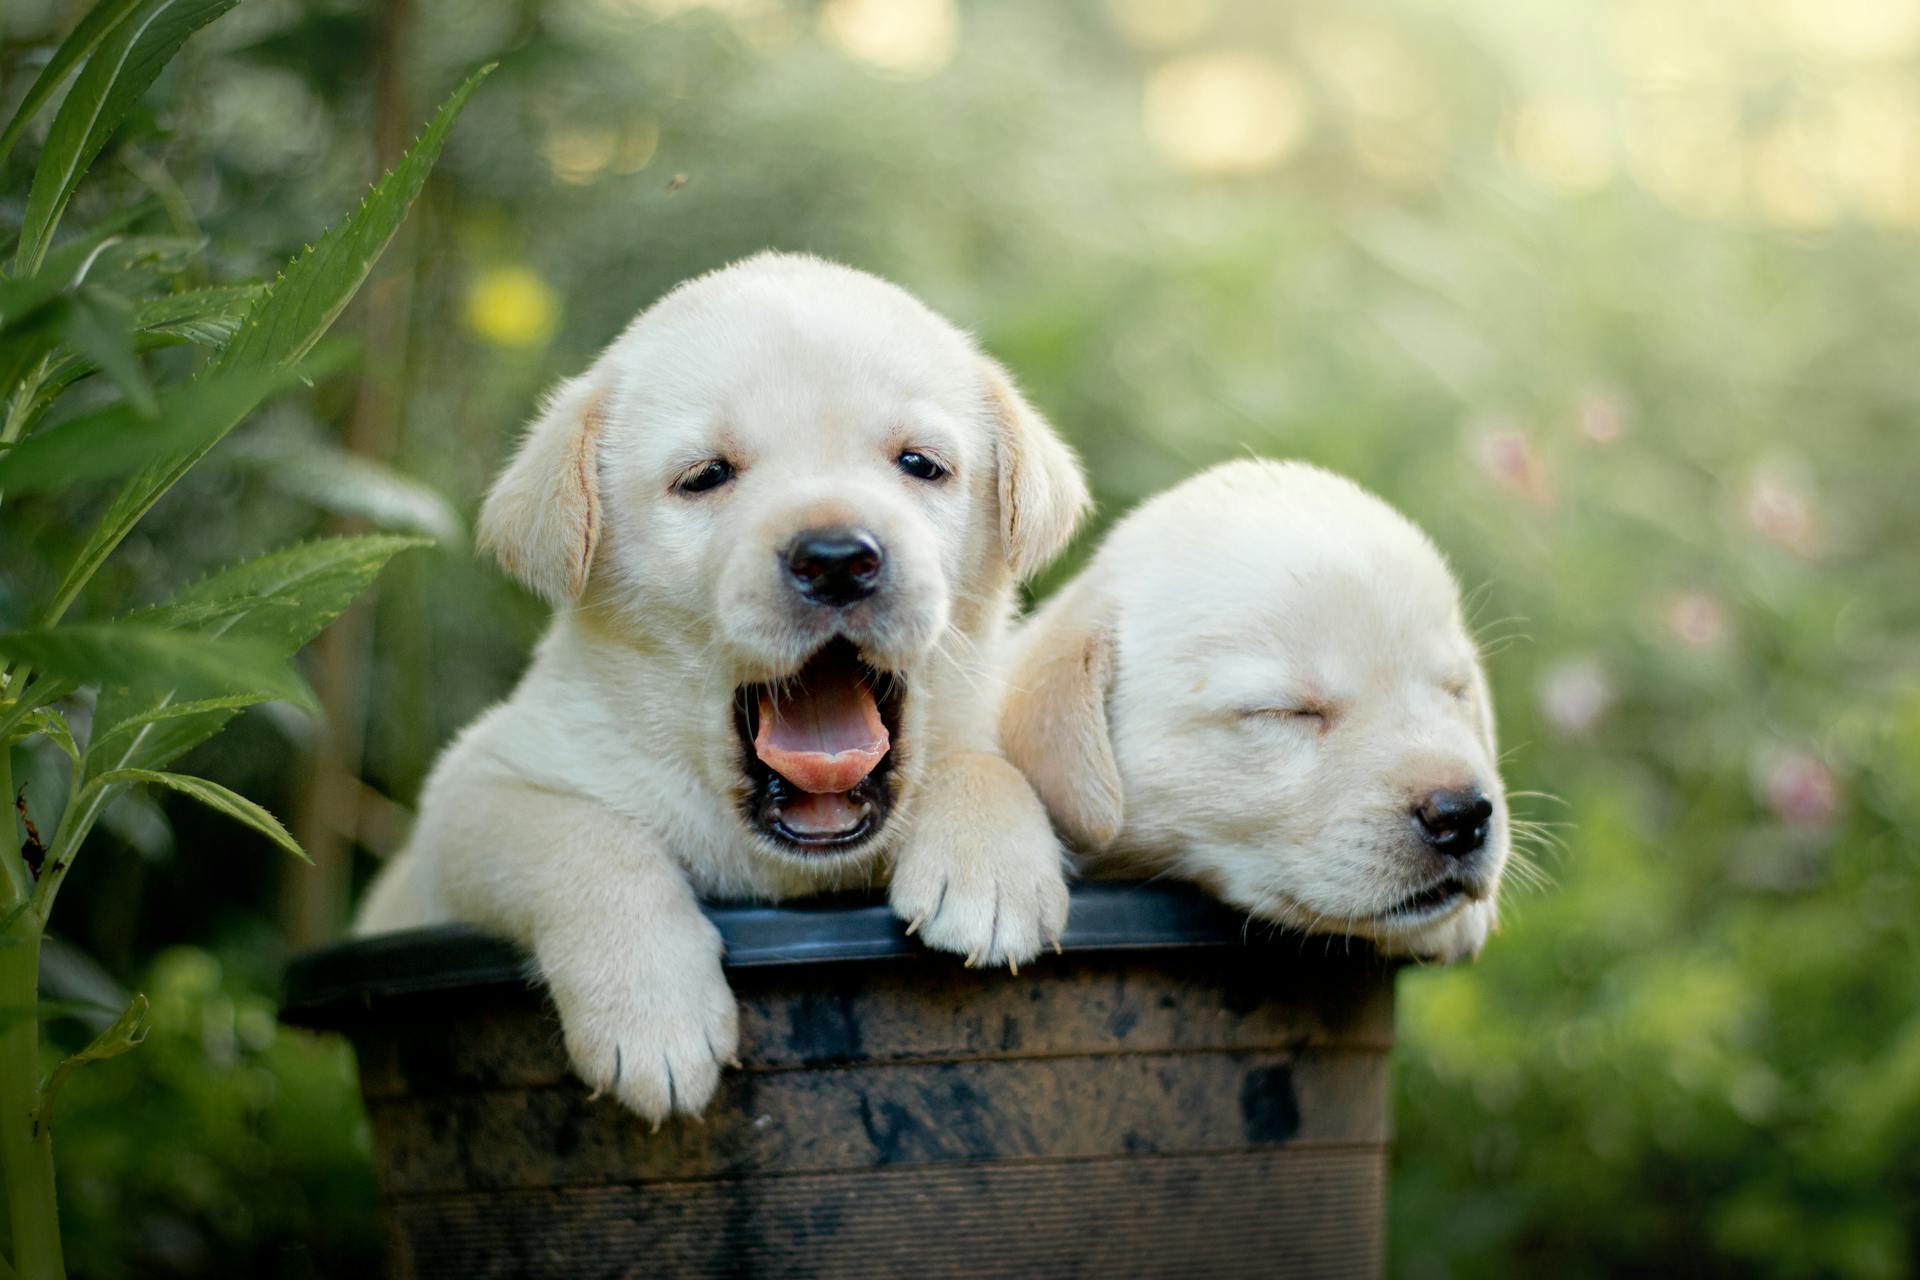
1296, 599
788, 340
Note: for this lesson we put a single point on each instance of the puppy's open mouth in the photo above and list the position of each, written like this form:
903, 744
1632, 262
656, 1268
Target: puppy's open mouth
818, 750
1430, 903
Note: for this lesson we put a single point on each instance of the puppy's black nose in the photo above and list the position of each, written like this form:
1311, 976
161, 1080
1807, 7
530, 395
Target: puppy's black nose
1454, 822
835, 566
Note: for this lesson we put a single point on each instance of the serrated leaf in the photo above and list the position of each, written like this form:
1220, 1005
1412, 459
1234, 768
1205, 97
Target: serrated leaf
86, 33
119, 438
282, 327
304, 300
118, 654
172, 711
205, 317
217, 797
285, 597
282, 599
125, 1033
54, 725
99, 325
208, 317
120, 69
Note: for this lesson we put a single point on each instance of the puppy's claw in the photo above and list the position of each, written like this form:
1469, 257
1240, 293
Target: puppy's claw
1014, 966
915, 926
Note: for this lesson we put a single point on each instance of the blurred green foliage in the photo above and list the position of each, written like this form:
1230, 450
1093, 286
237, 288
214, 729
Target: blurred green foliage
224, 1146
1613, 296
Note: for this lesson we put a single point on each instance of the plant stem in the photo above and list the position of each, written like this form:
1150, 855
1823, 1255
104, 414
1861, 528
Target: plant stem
26, 1149
13, 867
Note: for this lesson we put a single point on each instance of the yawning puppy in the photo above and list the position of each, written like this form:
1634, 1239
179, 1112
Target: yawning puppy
1263, 682
782, 518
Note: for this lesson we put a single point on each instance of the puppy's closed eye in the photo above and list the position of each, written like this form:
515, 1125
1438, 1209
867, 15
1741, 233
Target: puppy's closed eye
1316, 716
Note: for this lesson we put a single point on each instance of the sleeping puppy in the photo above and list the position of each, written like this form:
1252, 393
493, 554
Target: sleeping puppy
1263, 683
782, 519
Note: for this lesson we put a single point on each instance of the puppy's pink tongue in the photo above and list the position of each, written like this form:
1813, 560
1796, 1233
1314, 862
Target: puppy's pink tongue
824, 733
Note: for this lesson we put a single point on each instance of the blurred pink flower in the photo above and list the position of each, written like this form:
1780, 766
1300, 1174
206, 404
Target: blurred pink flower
1780, 507
1801, 790
1508, 456
1603, 417
1574, 694
1696, 619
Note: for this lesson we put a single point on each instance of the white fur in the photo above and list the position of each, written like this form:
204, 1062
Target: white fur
584, 815
1148, 705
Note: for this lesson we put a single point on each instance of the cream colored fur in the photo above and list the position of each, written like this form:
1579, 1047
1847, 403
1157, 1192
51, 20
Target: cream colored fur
1149, 703
586, 814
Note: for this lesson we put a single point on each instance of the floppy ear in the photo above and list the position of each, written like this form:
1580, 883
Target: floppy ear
1053, 724
1043, 494
542, 516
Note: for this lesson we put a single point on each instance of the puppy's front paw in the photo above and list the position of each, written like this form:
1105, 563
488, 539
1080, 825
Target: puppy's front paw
654, 1035
985, 880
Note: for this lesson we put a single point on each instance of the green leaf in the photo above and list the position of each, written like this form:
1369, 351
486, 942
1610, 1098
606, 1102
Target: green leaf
285, 597
351, 484
208, 317
27, 340
124, 1034
205, 317
132, 263
16, 711
282, 599
173, 711
54, 725
217, 797
65, 268
282, 327
313, 289
120, 438
119, 654
118, 72
86, 33
99, 325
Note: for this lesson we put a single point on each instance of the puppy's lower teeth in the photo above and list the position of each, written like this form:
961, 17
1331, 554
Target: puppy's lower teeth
822, 814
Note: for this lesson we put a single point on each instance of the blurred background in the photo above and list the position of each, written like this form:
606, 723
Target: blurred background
1617, 297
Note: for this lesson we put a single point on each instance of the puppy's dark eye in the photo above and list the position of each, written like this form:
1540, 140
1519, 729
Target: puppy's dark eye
920, 466
710, 475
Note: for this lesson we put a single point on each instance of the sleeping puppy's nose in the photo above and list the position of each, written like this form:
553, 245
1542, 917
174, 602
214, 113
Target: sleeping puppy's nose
1454, 822
835, 566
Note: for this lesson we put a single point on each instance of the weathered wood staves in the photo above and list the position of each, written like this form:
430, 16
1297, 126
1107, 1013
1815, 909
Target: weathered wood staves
1163, 1099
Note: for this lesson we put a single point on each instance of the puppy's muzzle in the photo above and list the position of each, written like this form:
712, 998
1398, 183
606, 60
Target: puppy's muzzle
835, 566
1454, 822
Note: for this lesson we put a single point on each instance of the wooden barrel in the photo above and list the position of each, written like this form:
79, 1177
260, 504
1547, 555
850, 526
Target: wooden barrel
1164, 1099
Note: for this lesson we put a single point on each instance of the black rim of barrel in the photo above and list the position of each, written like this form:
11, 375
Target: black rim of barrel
323, 984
